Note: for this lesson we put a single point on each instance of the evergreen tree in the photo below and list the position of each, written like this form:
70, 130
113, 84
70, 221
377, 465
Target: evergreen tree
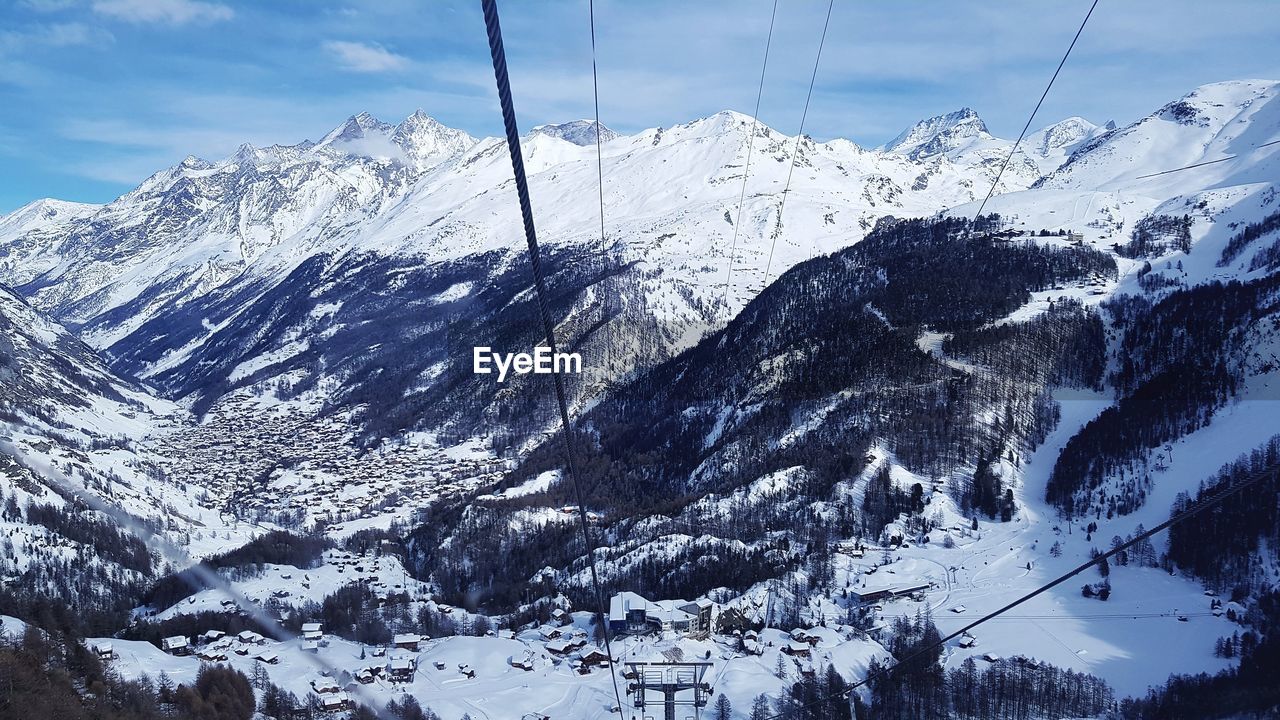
760, 709
723, 709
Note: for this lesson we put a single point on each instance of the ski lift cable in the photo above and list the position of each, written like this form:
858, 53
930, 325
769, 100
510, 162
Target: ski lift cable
746, 168
498, 55
1185, 514
1032, 117
1202, 164
799, 137
604, 243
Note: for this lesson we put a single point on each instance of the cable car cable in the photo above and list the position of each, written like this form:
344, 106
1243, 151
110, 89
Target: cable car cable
604, 243
746, 168
799, 137
1187, 513
1032, 117
498, 55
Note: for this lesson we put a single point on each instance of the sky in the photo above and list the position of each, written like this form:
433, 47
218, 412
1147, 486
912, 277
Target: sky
99, 94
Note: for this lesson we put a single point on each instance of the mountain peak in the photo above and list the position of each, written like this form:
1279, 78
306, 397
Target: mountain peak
426, 141
1215, 103
1064, 134
721, 123
578, 132
191, 162
935, 131
419, 118
46, 209
355, 127
726, 119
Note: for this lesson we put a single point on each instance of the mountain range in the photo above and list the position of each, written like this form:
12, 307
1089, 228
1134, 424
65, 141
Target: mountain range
168, 279
877, 366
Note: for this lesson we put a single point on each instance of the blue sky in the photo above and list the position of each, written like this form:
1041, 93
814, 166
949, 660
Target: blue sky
98, 94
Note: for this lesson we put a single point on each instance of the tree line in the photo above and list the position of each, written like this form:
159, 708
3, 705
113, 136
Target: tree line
1178, 361
833, 338
1008, 689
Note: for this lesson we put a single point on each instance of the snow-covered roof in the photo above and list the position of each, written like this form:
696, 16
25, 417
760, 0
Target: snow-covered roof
666, 611
563, 646
311, 627
406, 638
324, 684
622, 603
662, 611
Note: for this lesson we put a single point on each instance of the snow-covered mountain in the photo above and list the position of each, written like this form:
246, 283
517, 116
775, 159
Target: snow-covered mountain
82, 495
578, 132
420, 141
1094, 371
963, 138
939, 134
216, 275
985, 409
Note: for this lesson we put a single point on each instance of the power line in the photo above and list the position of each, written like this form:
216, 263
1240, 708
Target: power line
1187, 513
1202, 164
1032, 117
1102, 616
799, 137
746, 168
498, 55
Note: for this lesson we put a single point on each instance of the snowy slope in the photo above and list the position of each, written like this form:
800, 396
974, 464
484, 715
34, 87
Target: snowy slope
963, 138
1110, 183
297, 266
1101, 196
71, 427
161, 277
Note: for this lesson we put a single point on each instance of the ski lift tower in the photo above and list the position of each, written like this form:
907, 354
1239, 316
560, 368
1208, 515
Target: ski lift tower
673, 680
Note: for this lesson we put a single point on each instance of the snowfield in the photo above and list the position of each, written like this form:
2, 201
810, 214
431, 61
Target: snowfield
258, 458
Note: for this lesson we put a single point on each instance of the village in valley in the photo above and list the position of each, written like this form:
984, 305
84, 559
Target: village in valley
556, 668
553, 668
555, 662
278, 465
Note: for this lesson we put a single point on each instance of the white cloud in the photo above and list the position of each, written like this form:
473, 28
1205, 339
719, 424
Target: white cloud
69, 34
54, 35
50, 5
171, 12
362, 57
